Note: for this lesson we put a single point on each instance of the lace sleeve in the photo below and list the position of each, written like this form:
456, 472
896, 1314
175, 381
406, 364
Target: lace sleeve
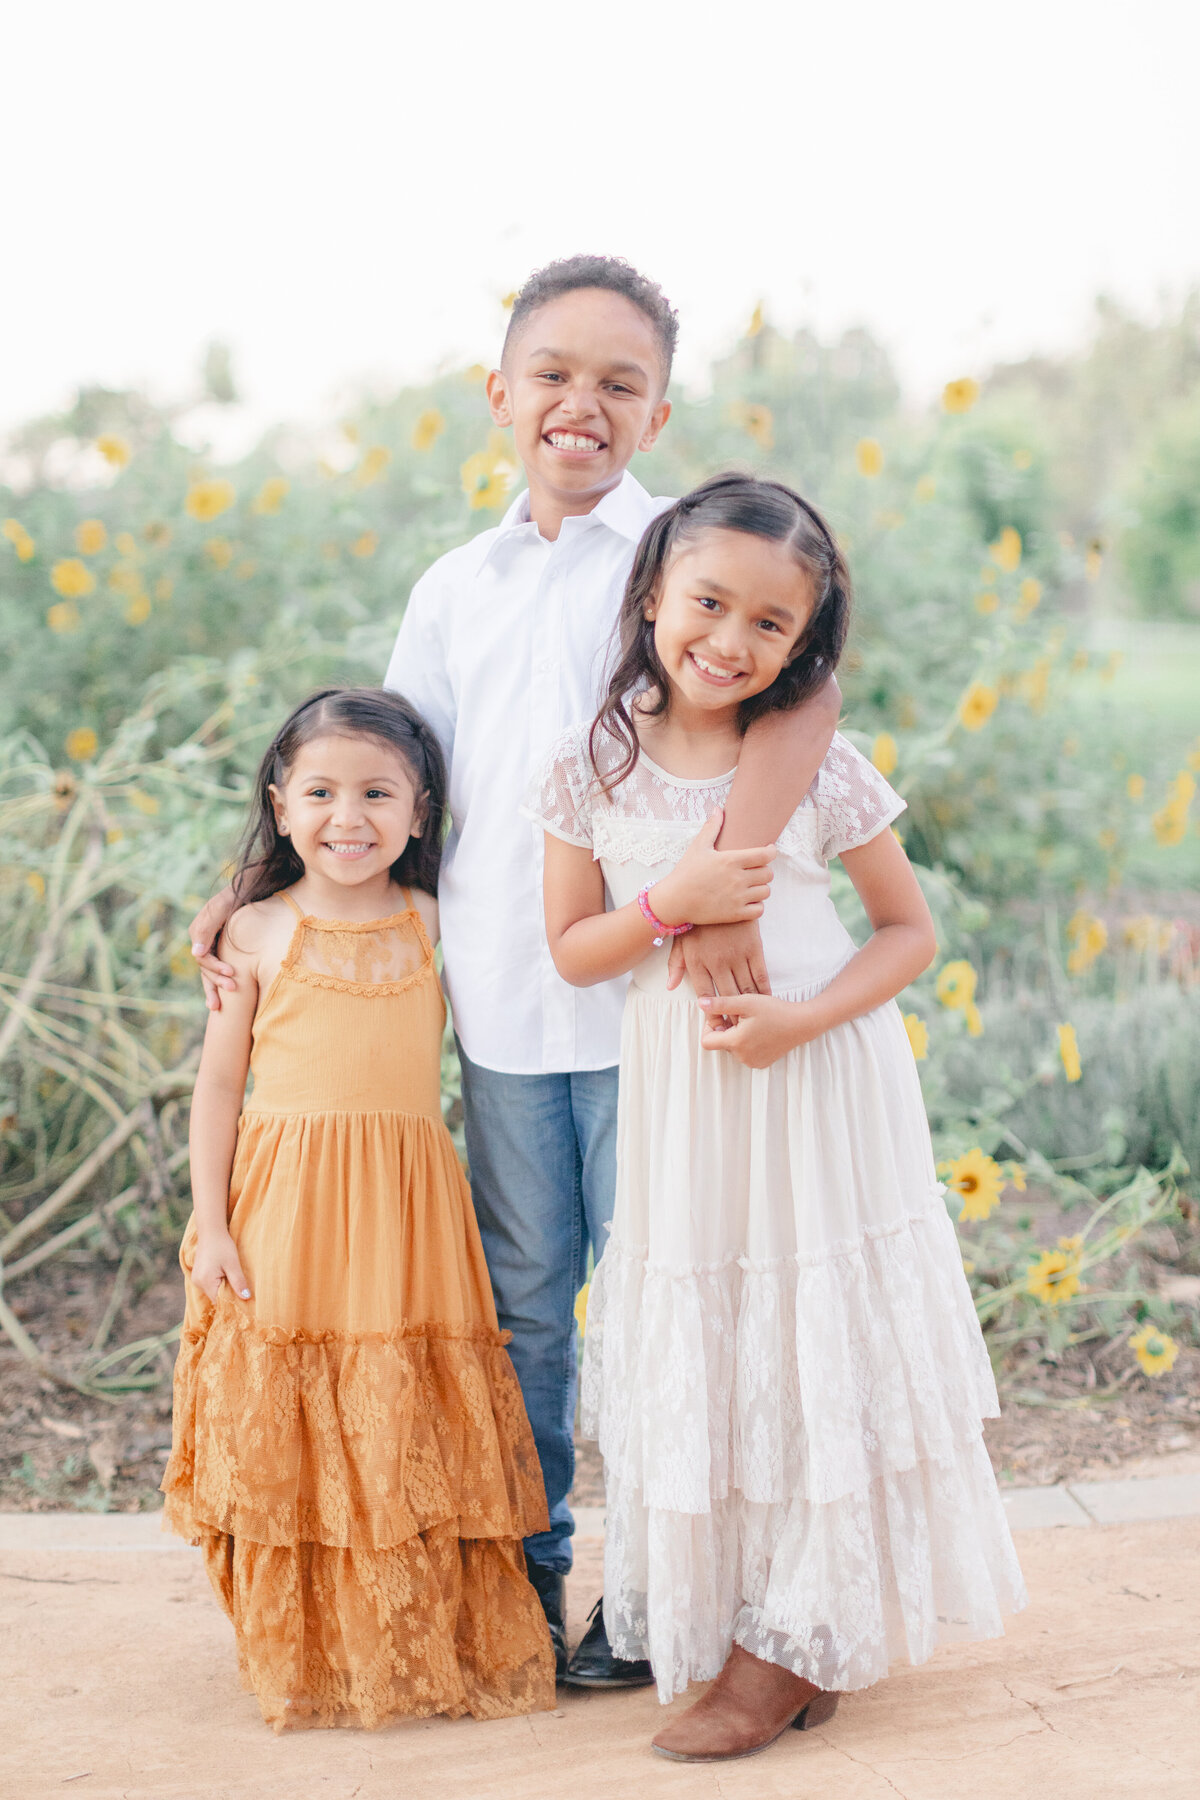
559, 797
855, 802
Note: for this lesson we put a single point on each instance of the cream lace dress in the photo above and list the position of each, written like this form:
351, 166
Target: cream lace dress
783, 1364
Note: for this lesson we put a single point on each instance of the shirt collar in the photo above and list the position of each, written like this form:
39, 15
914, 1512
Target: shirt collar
627, 509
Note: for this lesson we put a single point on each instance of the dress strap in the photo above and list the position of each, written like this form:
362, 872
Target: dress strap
295, 908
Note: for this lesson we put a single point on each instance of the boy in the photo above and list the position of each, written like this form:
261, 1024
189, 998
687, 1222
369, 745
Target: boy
502, 647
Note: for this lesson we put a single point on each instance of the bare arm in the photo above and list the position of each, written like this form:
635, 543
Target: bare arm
778, 764
212, 1134
902, 944
590, 945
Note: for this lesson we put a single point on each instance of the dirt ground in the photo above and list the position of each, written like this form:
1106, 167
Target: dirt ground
117, 1679
61, 1449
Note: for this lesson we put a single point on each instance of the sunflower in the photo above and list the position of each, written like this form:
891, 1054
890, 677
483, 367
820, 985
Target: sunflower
63, 617
366, 545
960, 396
1054, 1277
1068, 1049
1088, 937
115, 450
71, 578
1029, 596
270, 496
884, 754
956, 984
868, 454
428, 429
757, 422
1135, 787
977, 1180
81, 743
1006, 551
219, 552
374, 463
485, 478
974, 1020
1155, 1350
207, 500
90, 536
977, 706
918, 1036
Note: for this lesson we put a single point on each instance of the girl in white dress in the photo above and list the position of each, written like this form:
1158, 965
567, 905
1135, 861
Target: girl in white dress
783, 1364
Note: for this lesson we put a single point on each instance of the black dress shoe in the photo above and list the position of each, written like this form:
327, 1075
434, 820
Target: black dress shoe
594, 1665
551, 1590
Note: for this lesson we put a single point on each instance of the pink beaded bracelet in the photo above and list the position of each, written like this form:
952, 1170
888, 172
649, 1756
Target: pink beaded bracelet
664, 931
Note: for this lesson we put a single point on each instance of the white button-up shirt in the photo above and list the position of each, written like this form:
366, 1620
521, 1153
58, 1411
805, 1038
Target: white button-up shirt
504, 645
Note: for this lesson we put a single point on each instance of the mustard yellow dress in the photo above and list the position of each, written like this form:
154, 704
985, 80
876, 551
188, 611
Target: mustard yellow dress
351, 1449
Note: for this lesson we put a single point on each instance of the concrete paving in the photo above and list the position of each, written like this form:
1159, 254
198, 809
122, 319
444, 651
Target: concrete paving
117, 1682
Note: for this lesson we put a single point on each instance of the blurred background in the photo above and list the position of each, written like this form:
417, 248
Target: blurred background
939, 267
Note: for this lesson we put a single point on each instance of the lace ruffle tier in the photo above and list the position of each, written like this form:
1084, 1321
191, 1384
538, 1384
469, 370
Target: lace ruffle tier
360, 1501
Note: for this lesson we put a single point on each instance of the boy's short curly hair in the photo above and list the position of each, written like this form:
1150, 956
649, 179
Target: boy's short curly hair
571, 273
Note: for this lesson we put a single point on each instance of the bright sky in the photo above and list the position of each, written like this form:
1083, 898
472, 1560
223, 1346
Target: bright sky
344, 191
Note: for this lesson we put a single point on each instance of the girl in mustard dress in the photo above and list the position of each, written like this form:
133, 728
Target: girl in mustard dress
351, 1450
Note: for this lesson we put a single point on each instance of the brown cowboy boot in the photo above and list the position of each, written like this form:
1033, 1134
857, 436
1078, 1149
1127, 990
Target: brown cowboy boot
748, 1706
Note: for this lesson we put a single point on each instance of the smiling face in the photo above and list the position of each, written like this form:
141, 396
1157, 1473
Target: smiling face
582, 387
349, 805
730, 612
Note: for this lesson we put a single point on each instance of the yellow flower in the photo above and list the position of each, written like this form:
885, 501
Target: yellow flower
977, 1180
1093, 562
757, 422
977, 706
918, 1036
956, 984
1155, 1350
19, 538
581, 1306
1034, 684
1079, 662
245, 569
90, 536
926, 488
1088, 936
485, 478
64, 617
756, 322
366, 545
37, 883
1193, 761
145, 803
164, 587
868, 454
884, 754
207, 500
428, 429
1006, 551
138, 610
509, 300
71, 578
476, 372
1029, 596
270, 496
1170, 827
1115, 659
374, 462
81, 743
1068, 1050
1022, 459
1016, 1175
987, 602
960, 396
125, 544
974, 1020
219, 552
115, 450
124, 580
1054, 1277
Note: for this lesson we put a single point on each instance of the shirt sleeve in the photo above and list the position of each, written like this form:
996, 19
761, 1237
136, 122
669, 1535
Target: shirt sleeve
560, 796
418, 663
854, 802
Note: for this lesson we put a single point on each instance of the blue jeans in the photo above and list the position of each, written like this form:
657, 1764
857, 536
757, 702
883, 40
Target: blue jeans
542, 1151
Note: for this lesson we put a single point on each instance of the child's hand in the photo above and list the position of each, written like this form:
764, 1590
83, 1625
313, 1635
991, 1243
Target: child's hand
216, 1261
708, 886
763, 1029
203, 933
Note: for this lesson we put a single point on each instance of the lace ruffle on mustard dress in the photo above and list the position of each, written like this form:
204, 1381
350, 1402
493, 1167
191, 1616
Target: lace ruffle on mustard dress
351, 1448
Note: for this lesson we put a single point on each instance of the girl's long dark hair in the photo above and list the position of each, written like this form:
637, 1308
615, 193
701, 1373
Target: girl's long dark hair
267, 861
765, 509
